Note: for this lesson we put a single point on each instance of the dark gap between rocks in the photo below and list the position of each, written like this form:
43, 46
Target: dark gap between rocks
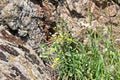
3, 57
38, 2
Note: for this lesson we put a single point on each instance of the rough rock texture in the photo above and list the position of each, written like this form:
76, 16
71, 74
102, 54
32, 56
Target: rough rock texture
83, 15
18, 61
33, 22
102, 10
18, 16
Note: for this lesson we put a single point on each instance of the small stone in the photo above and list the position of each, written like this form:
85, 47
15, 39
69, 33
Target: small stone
111, 10
117, 42
22, 33
95, 11
103, 19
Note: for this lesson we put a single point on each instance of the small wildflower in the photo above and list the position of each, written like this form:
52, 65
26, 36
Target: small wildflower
52, 49
55, 62
60, 36
53, 65
56, 59
69, 39
55, 28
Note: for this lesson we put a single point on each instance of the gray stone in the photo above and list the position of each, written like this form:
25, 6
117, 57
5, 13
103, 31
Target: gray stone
18, 61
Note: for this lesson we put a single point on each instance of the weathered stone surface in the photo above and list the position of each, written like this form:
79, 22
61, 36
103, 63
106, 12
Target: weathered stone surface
103, 19
90, 11
33, 22
79, 6
22, 20
18, 61
29, 20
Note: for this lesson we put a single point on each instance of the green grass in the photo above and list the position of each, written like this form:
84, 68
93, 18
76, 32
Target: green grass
74, 60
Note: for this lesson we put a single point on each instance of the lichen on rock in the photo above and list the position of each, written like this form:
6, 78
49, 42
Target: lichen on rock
18, 61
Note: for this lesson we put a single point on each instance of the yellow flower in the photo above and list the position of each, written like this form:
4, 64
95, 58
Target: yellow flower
69, 39
56, 59
60, 36
53, 65
52, 49
55, 62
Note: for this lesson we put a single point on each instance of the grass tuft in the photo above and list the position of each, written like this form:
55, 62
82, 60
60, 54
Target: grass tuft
74, 60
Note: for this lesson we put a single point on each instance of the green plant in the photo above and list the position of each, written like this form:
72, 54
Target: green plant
74, 60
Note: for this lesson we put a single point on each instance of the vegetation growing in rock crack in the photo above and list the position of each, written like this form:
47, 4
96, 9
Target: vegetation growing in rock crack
74, 60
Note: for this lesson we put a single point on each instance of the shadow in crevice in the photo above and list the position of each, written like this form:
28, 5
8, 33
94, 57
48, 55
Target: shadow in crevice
38, 2
117, 2
57, 2
103, 4
54, 2
74, 14
15, 33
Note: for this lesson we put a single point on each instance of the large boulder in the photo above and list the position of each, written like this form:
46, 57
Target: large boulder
27, 20
18, 61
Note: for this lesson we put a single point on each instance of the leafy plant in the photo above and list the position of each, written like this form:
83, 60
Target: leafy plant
74, 60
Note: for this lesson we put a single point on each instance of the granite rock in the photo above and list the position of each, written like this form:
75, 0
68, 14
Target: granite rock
18, 61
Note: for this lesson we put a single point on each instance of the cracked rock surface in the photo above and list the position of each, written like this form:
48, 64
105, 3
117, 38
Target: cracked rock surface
18, 61
26, 24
